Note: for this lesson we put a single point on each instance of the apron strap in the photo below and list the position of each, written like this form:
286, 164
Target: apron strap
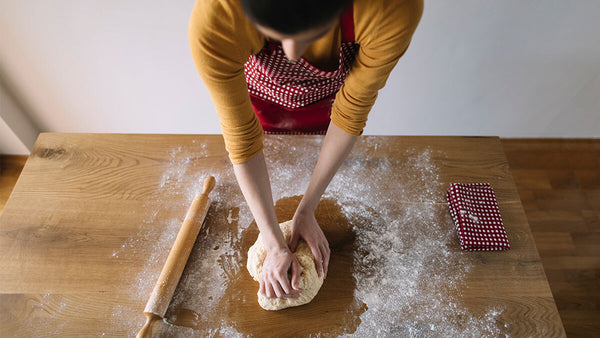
347, 23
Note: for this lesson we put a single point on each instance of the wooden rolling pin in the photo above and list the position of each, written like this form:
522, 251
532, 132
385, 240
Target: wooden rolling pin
171, 272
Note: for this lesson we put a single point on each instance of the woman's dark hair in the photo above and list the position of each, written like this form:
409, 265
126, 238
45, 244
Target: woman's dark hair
293, 16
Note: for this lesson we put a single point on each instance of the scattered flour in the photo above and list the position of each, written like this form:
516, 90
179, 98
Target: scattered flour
408, 266
203, 278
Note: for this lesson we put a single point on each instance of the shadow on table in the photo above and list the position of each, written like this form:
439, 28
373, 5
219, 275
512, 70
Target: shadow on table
332, 312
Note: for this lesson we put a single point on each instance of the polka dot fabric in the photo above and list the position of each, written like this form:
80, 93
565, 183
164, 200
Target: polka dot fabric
294, 84
475, 212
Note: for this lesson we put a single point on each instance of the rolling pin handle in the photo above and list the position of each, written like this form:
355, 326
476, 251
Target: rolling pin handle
146, 331
209, 184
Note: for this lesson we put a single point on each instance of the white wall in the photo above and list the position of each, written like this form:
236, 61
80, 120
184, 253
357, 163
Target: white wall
509, 68
17, 132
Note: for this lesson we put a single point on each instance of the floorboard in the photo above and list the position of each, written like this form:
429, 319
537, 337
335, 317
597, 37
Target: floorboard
559, 184
10, 169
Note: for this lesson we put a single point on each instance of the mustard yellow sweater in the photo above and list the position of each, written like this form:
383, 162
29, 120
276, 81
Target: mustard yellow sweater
222, 38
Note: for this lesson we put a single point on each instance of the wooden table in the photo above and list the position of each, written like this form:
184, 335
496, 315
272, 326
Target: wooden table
92, 217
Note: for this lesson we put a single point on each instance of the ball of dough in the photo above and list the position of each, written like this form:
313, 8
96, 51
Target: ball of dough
310, 282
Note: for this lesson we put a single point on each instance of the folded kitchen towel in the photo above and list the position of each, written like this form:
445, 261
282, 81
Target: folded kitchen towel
475, 212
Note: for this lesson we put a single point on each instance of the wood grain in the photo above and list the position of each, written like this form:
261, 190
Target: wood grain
82, 198
10, 169
559, 184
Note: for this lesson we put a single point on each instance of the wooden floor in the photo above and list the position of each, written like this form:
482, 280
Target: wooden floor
559, 185
10, 169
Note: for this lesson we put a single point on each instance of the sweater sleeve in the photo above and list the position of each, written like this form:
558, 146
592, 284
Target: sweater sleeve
384, 34
219, 52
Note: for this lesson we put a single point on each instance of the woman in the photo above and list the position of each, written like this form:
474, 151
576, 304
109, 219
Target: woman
280, 66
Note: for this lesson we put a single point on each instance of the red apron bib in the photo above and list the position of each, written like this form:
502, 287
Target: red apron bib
296, 97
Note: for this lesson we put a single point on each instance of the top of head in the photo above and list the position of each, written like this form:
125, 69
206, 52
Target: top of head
291, 17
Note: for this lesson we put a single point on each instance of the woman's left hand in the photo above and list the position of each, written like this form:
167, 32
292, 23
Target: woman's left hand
305, 226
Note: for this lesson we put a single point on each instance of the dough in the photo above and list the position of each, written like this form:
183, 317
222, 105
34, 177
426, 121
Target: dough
310, 282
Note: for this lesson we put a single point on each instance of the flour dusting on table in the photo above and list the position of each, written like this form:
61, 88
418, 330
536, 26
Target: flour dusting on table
408, 267
203, 278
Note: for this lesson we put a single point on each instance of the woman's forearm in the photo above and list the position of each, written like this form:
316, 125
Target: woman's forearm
253, 179
336, 147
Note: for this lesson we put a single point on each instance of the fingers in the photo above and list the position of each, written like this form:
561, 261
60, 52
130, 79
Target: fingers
278, 292
268, 290
326, 254
261, 289
285, 286
294, 238
308, 229
322, 255
279, 287
318, 261
296, 274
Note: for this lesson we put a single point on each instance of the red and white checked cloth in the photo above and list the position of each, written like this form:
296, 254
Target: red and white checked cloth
294, 84
476, 215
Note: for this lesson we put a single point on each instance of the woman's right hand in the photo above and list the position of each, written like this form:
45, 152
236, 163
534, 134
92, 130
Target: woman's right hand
274, 280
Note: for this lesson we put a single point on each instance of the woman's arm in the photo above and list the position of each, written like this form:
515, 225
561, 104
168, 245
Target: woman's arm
336, 147
253, 179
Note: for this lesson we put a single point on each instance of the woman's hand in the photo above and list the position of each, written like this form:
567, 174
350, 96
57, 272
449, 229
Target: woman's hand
274, 280
335, 149
305, 226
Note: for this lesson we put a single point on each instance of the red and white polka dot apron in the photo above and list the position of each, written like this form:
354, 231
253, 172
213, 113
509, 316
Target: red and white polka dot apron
296, 97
